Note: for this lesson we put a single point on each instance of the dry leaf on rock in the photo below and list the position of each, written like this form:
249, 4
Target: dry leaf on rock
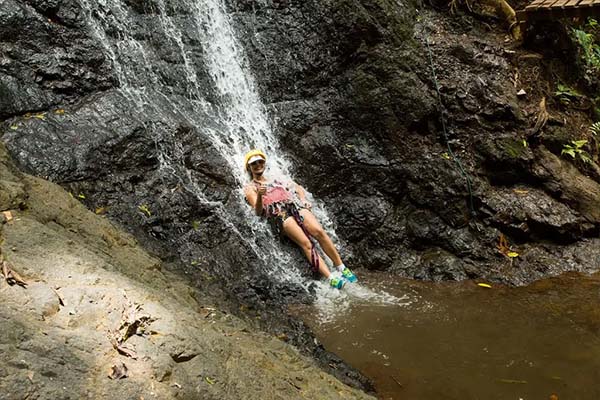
10, 275
118, 371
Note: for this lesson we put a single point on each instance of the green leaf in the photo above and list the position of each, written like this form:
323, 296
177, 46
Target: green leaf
144, 208
569, 151
585, 157
579, 143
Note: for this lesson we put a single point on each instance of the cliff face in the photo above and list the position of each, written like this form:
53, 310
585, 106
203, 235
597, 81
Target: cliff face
352, 86
350, 89
100, 318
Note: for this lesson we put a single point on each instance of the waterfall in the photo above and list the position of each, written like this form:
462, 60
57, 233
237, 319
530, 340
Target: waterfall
241, 120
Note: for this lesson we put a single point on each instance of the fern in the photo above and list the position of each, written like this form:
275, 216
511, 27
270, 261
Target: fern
590, 49
575, 150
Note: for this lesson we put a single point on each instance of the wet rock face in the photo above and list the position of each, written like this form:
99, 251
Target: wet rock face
349, 85
55, 61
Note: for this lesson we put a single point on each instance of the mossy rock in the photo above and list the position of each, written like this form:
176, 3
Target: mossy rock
514, 148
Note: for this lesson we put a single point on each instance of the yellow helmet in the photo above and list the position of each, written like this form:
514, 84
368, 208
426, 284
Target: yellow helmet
252, 156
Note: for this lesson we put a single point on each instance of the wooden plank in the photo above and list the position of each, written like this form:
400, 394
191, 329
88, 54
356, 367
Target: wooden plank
572, 3
535, 5
549, 4
542, 12
559, 4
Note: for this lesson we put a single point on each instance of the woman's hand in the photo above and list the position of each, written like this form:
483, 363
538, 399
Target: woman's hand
261, 190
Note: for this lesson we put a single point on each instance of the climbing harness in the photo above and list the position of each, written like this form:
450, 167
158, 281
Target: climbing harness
278, 205
314, 255
441, 111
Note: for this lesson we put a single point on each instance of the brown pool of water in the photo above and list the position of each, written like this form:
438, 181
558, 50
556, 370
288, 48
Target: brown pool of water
463, 341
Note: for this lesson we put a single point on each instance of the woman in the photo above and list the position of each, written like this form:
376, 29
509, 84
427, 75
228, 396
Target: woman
285, 207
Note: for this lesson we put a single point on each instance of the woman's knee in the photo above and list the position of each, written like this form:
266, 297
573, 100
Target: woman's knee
318, 233
306, 245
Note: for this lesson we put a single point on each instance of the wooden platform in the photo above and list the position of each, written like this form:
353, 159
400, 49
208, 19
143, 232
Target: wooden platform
553, 9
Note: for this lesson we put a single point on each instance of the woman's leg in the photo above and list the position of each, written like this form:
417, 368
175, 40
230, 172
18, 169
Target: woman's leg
295, 232
316, 230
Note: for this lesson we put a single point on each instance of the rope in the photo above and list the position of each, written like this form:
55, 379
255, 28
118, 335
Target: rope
314, 255
441, 110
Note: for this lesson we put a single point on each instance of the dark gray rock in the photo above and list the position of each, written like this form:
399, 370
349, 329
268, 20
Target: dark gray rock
350, 87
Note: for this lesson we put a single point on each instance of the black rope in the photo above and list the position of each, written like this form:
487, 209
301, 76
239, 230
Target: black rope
441, 109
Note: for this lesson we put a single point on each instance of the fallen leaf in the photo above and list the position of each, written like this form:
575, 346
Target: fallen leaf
504, 248
553, 397
144, 208
81, 196
60, 299
516, 381
520, 191
485, 285
445, 155
14, 127
30, 376
4, 269
502, 244
101, 210
209, 381
41, 116
127, 352
283, 336
11, 276
59, 111
7, 215
118, 371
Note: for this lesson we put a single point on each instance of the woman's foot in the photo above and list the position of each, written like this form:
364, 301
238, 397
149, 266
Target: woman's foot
348, 275
336, 281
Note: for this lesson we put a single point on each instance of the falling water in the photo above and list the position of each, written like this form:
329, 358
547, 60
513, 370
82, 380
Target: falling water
242, 122
241, 119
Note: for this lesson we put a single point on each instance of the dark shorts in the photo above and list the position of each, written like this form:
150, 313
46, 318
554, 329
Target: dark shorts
276, 220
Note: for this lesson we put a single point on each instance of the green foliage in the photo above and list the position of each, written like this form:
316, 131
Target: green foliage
595, 129
590, 48
575, 150
144, 208
566, 94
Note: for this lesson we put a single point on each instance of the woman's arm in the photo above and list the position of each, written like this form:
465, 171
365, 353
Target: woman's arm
254, 197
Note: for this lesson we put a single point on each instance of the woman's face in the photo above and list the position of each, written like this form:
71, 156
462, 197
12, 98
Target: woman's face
257, 167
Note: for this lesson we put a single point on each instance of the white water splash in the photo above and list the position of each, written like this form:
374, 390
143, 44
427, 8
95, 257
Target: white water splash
332, 304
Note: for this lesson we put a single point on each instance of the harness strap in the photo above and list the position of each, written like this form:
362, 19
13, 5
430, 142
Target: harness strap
314, 255
274, 209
